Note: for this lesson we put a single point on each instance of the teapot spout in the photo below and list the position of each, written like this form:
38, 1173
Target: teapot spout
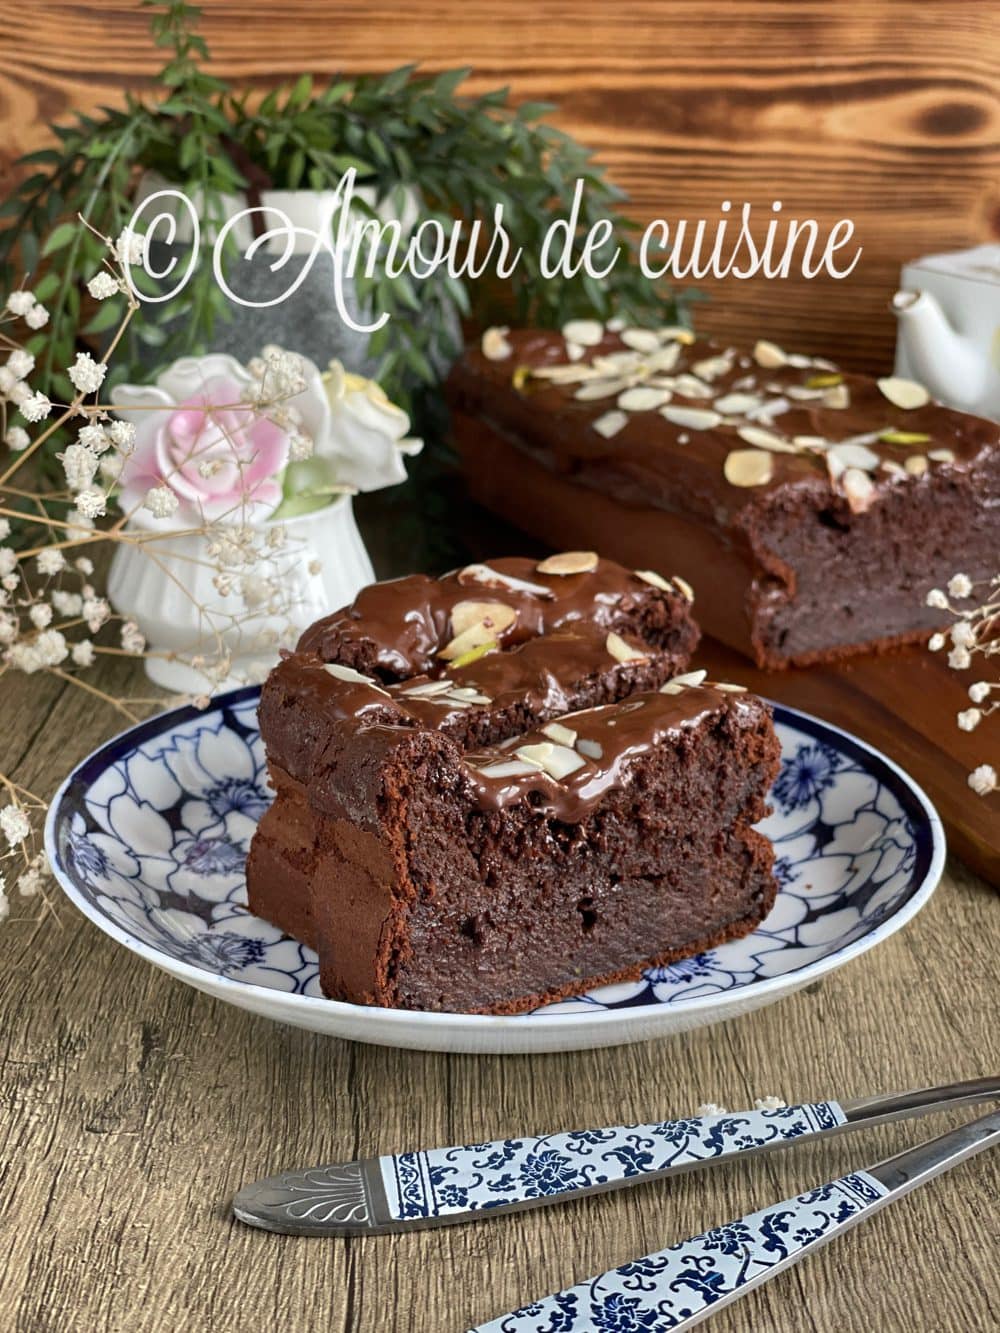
951, 367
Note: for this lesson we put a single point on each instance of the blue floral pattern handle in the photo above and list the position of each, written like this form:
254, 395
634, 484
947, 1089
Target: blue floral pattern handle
677, 1285
446, 1181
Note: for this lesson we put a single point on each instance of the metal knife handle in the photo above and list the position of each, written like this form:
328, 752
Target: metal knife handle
680, 1286
457, 1184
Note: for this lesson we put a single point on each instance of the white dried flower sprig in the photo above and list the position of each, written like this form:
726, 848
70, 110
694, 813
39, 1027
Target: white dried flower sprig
22, 862
975, 639
52, 616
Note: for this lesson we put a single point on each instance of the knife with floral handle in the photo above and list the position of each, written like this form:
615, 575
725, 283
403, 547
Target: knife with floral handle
680, 1286
444, 1186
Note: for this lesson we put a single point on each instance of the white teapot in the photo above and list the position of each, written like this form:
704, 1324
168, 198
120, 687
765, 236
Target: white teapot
948, 308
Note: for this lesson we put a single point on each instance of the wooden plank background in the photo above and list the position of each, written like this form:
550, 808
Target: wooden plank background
884, 112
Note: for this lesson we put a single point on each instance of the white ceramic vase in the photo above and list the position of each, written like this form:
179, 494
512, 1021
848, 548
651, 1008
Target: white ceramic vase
166, 586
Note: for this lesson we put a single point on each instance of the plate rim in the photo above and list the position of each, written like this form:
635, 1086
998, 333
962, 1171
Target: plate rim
384, 1019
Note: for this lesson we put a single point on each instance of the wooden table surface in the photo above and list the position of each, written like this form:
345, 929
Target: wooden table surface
134, 1107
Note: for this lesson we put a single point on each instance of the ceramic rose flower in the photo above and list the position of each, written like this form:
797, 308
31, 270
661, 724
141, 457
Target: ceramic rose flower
367, 440
200, 436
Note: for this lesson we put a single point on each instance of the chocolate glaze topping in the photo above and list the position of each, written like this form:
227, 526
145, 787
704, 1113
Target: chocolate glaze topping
608, 738
397, 629
652, 460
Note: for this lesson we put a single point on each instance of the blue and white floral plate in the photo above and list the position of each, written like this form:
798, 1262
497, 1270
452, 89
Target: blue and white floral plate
148, 838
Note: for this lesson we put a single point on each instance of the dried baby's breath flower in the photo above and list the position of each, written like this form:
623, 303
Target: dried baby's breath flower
86, 374
975, 637
102, 285
960, 585
36, 407
161, 501
14, 824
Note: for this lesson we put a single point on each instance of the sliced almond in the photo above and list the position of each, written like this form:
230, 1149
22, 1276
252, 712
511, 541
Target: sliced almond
595, 389
642, 340
811, 441
712, 367
621, 362
801, 394
941, 455
569, 562
493, 616
916, 465
622, 651
534, 754
655, 580
559, 761
769, 355
906, 394
727, 687
354, 677
560, 734
506, 768
690, 386
837, 398
683, 682
428, 689
675, 333
492, 578
610, 423
766, 439
748, 467
586, 332
893, 468
684, 587
479, 635
859, 490
736, 404
691, 418
564, 374
495, 343
839, 457
575, 351
664, 358
464, 697
592, 749
642, 398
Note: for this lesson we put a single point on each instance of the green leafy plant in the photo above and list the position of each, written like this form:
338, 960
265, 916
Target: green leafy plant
401, 131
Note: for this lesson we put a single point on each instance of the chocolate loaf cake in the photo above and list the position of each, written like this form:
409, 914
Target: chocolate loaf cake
551, 631
484, 801
814, 509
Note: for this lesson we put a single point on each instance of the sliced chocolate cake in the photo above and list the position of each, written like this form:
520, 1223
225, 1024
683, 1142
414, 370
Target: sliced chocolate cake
814, 509
484, 800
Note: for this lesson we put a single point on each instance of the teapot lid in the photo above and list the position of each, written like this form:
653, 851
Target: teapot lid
980, 264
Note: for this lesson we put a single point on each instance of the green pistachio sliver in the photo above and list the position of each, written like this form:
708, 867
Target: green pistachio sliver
474, 654
824, 381
903, 437
520, 378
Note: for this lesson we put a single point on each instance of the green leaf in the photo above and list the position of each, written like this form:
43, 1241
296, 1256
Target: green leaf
60, 238
108, 315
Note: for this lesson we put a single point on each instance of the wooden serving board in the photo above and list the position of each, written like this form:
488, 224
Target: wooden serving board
904, 703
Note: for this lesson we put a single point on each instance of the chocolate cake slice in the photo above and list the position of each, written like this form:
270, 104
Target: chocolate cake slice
480, 656
585, 850
813, 509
